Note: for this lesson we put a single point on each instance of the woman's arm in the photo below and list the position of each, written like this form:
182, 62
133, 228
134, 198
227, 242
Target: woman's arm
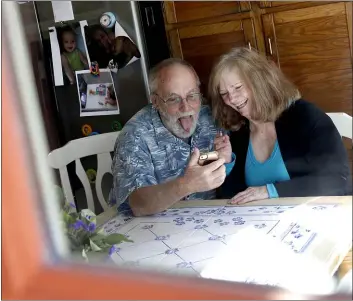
326, 160
67, 69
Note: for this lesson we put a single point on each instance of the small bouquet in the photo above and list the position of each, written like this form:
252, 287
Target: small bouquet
81, 230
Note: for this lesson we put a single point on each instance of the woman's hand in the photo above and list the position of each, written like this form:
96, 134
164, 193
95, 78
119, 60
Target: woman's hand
249, 195
223, 147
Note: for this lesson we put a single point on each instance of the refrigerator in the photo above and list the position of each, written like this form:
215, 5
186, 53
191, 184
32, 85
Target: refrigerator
61, 105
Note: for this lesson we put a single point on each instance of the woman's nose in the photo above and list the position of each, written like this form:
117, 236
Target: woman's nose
233, 97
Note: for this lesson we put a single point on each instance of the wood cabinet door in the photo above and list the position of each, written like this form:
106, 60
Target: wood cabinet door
203, 44
264, 4
312, 47
184, 11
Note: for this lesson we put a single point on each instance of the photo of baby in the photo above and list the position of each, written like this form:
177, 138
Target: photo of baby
72, 58
97, 94
69, 52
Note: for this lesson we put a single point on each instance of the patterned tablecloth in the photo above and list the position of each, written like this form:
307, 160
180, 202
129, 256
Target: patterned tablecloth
186, 239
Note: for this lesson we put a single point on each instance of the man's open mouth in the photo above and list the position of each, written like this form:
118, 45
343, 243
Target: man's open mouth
242, 105
186, 122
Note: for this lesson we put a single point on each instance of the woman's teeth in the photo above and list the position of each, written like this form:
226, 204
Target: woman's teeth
242, 105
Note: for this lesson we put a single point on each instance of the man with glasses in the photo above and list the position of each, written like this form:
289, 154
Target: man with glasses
156, 154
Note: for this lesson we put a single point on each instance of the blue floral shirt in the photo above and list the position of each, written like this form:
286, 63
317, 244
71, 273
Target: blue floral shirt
146, 153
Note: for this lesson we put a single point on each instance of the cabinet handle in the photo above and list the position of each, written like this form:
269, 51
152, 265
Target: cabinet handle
249, 45
270, 46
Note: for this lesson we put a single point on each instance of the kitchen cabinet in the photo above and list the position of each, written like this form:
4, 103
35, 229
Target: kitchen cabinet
201, 45
310, 41
312, 47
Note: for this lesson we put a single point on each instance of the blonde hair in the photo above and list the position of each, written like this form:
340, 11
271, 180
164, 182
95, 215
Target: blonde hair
272, 92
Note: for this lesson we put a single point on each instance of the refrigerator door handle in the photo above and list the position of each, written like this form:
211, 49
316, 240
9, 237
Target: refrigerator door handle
149, 16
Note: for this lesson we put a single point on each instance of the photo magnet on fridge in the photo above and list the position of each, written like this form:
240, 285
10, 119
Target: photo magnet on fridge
97, 94
109, 45
69, 52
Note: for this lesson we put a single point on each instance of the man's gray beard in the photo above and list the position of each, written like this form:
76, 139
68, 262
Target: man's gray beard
173, 125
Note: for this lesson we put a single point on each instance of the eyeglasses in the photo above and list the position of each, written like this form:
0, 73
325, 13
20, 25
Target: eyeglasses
174, 101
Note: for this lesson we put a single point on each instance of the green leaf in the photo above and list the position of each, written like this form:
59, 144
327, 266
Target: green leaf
69, 219
97, 237
94, 247
116, 238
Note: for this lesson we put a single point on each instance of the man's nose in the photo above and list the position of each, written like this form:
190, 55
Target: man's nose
184, 105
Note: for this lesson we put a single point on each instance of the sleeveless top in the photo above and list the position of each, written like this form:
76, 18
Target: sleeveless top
74, 60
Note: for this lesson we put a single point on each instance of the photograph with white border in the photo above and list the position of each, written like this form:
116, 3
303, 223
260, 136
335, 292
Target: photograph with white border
69, 52
96, 93
110, 47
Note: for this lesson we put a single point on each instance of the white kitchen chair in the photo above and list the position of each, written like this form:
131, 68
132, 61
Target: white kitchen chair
343, 123
100, 145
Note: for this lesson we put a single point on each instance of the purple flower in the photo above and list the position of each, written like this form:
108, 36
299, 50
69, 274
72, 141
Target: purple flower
72, 205
111, 250
78, 224
91, 227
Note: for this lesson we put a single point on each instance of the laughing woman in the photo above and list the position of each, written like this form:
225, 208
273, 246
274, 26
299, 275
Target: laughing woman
283, 145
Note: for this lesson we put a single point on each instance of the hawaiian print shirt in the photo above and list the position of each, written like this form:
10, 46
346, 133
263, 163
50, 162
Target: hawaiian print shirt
146, 153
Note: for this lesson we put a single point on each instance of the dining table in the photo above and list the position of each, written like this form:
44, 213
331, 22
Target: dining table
342, 256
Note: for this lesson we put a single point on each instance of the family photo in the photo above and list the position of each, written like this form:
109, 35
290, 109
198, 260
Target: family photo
110, 47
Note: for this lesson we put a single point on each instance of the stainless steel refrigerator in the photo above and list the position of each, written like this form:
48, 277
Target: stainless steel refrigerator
142, 21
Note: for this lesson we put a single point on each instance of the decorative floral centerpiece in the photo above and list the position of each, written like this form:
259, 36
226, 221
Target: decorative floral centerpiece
83, 235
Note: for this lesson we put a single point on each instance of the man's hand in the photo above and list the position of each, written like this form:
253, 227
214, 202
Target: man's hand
223, 147
203, 178
249, 195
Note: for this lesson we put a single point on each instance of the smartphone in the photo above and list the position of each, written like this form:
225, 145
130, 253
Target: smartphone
207, 158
